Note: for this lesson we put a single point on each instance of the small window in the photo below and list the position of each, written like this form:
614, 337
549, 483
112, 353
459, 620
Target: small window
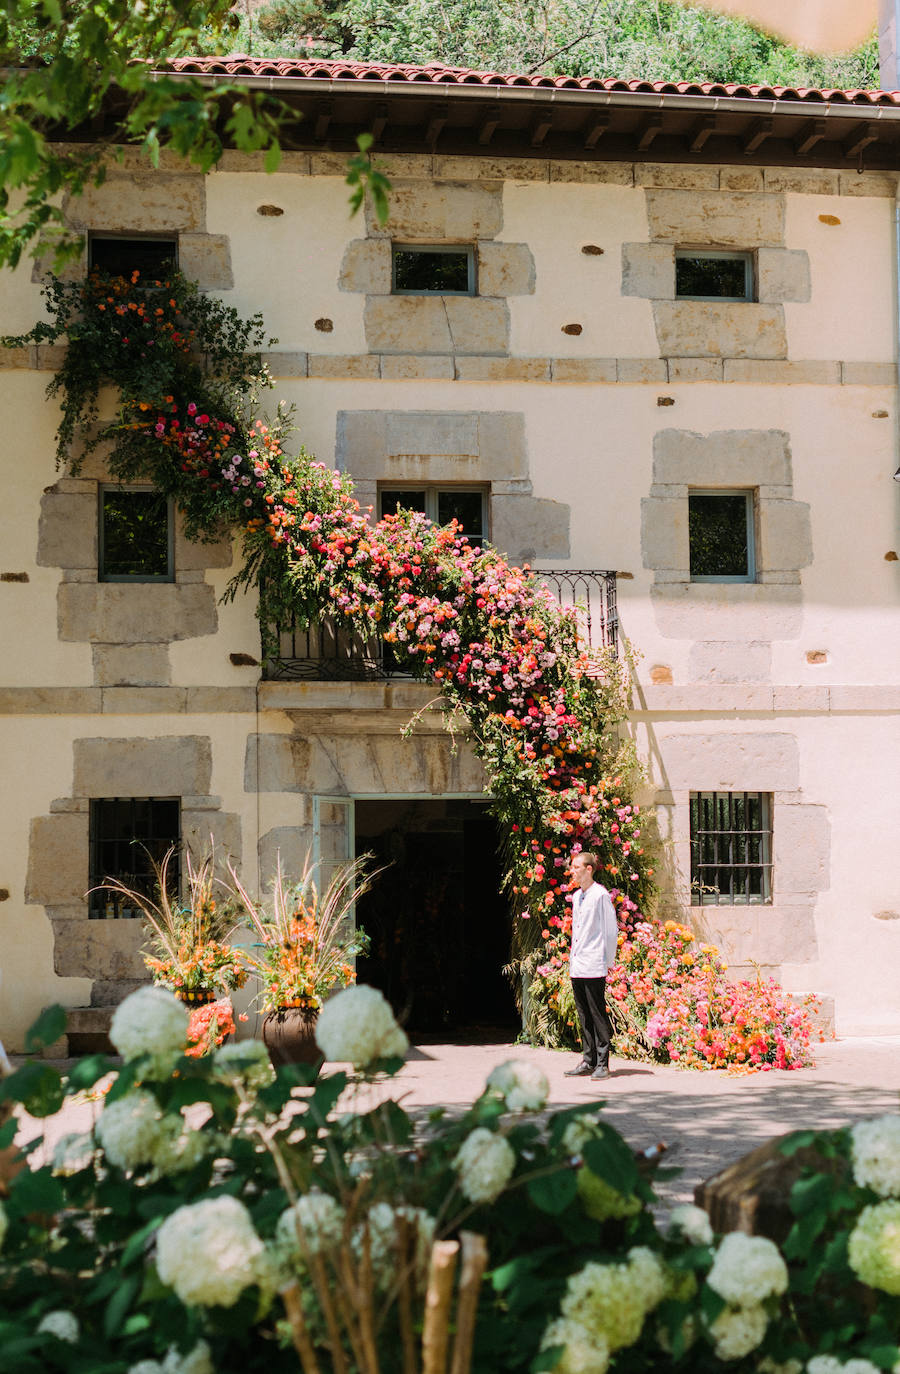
120, 256
713, 276
721, 536
468, 505
731, 848
441, 270
136, 535
128, 836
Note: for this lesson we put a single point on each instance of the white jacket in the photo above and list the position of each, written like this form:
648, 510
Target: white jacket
595, 933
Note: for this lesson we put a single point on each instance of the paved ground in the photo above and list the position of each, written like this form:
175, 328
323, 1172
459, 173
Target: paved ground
707, 1119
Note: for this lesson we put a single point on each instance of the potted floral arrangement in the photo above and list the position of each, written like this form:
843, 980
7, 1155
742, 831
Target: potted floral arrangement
306, 944
189, 949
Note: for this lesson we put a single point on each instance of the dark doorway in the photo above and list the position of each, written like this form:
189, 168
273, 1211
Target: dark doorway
437, 921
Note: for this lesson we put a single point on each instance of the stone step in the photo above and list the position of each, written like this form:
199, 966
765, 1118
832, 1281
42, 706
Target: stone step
87, 1030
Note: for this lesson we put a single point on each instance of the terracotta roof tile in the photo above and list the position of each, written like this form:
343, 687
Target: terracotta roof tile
239, 64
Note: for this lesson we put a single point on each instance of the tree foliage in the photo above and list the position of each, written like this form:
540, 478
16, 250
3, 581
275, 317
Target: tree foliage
655, 39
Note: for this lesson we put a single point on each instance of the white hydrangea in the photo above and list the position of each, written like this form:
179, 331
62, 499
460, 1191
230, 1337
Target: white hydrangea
357, 1026
320, 1220
484, 1162
876, 1155
129, 1129
146, 1367
209, 1252
738, 1330
830, 1364
586, 1352
649, 1274
522, 1084
382, 1227
824, 1364
198, 1360
747, 1270
692, 1223
151, 1021
4, 1224
770, 1366
578, 1132
61, 1324
178, 1148
72, 1152
874, 1246
246, 1059
612, 1300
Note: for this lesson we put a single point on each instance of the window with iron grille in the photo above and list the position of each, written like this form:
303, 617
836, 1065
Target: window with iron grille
713, 275
121, 254
731, 848
433, 269
468, 505
128, 836
136, 528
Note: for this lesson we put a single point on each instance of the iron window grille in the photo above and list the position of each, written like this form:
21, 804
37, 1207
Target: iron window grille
731, 848
128, 836
713, 275
722, 535
121, 254
136, 535
433, 269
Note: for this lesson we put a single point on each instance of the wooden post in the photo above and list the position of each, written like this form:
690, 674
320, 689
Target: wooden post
438, 1300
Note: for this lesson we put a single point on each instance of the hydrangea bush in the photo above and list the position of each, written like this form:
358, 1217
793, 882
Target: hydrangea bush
542, 714
221, 1217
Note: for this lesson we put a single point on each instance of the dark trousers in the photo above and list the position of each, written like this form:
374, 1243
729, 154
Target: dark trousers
596, 1032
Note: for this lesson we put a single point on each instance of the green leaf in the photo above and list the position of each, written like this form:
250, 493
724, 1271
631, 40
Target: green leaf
885, 1356
809, 1193
49, 1027
137, 1241
36, 1190
37, 1086
119, 1304
799, 1140
547, 1359
88, 1071
803, 1234
712, 1304
611, 1159
273, 158
553, 1193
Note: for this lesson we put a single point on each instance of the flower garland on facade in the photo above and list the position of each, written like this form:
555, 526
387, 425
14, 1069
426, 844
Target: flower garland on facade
504, 655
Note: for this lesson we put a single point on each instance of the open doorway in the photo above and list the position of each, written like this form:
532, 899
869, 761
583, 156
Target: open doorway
438, 924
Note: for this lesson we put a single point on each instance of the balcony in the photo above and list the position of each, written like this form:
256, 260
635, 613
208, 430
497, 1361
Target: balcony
327, 653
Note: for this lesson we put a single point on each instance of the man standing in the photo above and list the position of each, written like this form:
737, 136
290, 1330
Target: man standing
595, 938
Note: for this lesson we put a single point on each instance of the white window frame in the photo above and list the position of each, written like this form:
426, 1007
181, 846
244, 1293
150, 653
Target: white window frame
431, 491
749, 493
718, 255
125, 488
458, 248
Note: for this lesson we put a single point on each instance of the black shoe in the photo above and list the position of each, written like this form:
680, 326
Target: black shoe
580, 1071
601, 1071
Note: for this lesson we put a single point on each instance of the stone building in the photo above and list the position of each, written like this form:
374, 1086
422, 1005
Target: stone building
645, 334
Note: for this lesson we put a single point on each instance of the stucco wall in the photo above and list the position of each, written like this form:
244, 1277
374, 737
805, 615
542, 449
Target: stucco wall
798, 675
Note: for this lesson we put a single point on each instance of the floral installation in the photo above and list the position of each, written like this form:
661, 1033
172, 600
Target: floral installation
542, 713
210, 1026
301, 1226
306, 941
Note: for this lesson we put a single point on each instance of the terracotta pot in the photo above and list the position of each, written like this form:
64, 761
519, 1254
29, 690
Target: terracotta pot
289, 1034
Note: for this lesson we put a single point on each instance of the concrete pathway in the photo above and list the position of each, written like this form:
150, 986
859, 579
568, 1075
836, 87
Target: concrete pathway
706, 1119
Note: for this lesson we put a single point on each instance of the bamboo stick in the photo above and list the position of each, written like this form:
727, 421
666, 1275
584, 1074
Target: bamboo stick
323, 1293
474, 1262
406, 1278
365, 1307
303, 1345
438, 1299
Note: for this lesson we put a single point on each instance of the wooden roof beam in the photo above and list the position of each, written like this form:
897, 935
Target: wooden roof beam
812, 133
324, 113
756, 135
594, 129
436, 123
487, 127
541, 126
648, 130
701, 131
854, 145
379, 121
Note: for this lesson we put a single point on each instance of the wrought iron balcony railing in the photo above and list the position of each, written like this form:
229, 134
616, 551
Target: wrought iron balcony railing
325, 652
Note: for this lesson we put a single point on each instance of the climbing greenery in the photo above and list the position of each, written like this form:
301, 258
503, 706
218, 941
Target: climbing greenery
543, 714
